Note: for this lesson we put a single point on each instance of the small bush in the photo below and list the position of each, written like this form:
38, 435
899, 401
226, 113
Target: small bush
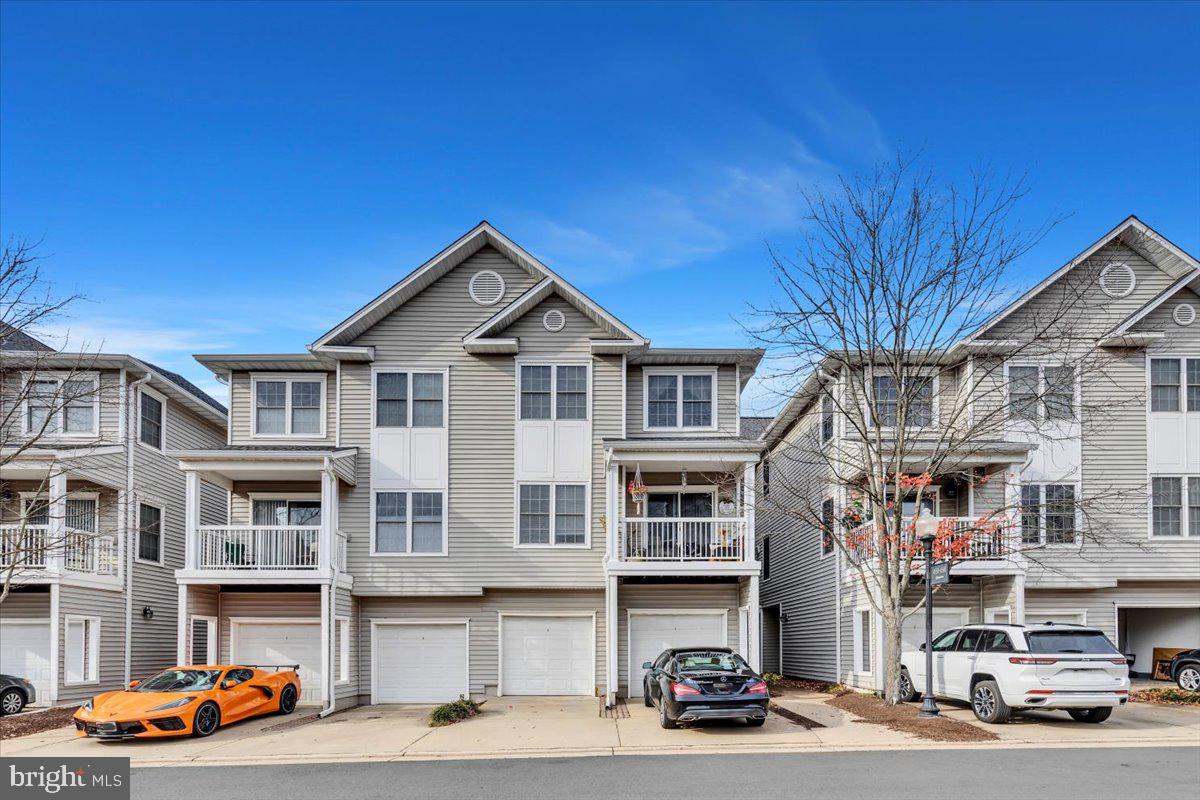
772, 679
450, 713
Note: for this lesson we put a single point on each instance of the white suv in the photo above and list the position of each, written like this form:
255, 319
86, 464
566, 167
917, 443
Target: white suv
1004, 668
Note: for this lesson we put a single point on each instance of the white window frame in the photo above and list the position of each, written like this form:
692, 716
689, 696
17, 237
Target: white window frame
408, 522
162, 535
587, 516
828, 396
861, 635
59, 377
1185, 532
679, 372
251, 497
1041, 418
91, 657
212, 656
821, 552
408, 371
1182, 358
1042, 514
991, 612
869, 413
554, 364
288, 378
162, 400
341, 626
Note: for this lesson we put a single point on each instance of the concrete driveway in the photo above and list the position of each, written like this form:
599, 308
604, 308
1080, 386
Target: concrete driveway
568, 726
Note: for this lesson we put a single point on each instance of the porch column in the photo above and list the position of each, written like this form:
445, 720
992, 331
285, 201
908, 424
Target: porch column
612, 674
754, 634
56, 541
327, 677
612, 510
55, 641
329, 522
1019, 599
191, 519
748, 513
181, 638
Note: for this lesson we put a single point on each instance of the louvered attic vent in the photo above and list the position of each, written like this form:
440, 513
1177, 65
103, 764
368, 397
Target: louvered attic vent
554, 320
486, 287
1184, 314
1117, 280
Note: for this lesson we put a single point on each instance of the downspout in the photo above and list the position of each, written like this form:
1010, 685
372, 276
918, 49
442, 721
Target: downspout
130, 424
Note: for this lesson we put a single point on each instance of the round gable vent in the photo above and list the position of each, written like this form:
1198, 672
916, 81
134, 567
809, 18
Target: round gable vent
1184, 314
554, 320
486, 287
1117, 280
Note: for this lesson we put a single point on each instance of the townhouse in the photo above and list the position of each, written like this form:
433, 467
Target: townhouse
1135, 575
92, 514
481, 482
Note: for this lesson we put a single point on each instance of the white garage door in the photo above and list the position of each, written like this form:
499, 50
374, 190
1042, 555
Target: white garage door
26, 654
420, 663
651, 633
1057, 617
913, 633
547, 655
275, 643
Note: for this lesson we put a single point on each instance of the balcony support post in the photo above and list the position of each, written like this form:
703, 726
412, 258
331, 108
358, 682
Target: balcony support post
182, 637
748, 499
329, 522
612, 673
612, 510
191, 519
55, 547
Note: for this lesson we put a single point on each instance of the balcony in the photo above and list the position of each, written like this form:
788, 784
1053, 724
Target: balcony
965, 541
34, 550
682, 539
265, 548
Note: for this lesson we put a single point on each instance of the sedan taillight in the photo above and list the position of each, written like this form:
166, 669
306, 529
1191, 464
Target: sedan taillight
758, 688
682, 689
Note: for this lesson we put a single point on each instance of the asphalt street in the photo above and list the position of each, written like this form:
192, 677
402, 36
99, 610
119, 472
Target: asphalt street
1090, 774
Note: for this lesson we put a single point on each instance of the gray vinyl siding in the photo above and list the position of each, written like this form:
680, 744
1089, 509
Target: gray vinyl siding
214, 504
346, 605
771, 651
109, 608
727, 390
26, 602
241, 410
572, 340
483, 613
671, 596
427, 331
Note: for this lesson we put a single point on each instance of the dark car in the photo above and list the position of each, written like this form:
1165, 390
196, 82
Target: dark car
694, 683
15, 694
1185, 670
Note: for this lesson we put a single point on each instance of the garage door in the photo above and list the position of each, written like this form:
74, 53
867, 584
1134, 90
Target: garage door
26, 654
651, 633
547, 655
1057, 617
424, 663
913, 633
273, 643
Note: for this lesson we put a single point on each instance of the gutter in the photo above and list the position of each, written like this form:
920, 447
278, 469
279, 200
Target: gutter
130, 450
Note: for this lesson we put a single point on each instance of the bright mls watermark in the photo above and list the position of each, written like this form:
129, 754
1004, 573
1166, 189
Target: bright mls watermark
98, 778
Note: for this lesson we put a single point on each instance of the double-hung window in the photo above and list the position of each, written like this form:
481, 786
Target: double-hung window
289, 406
151, 415
1175, 506
681, 400
827, 526
550, 514
1049, 514
886, 395
410, 523
66, 406
1174, 384
550, 391
826, 419
1041, 393
150, 533
410, 399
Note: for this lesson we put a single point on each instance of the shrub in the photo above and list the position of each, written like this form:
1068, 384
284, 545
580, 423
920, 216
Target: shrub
450, 713
772, 679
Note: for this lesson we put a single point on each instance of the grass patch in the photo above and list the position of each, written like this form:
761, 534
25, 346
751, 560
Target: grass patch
1167, 696
450, 713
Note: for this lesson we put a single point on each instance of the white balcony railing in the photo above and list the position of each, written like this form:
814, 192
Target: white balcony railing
33, 547
958, 538
259, 547
683, 539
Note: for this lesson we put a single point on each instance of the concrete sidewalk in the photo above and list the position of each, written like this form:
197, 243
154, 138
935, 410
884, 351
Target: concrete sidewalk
539, 727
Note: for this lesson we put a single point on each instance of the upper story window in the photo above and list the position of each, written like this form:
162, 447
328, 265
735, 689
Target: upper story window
1041, 392
826, 419
289, 405
151, 416
551, 391
1175, 384
828, 522
409, 523
1175, 506
286, 511
150, 533
552, 514
886, 393
681, 399
1048, 514
67, 406
410, 399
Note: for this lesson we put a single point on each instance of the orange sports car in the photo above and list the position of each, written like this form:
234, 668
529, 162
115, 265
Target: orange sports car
195, 700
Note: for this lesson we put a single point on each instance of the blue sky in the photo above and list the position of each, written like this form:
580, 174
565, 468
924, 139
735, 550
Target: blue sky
242, 177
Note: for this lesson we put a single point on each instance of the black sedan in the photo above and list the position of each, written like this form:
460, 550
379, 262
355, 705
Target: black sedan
1185, 670
694, 683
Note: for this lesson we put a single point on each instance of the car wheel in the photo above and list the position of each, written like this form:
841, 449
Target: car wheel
11, 701
908, 692
755, 722
207, 720
287, 699
988, 705
663, 718
1189, 678
1090, 714
646, 695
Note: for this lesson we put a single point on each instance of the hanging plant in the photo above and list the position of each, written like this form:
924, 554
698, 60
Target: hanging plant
637, 489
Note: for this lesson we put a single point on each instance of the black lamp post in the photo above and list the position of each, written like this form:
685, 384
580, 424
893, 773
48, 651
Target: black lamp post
928, 532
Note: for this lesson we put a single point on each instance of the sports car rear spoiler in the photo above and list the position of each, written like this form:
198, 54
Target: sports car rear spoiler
276, 667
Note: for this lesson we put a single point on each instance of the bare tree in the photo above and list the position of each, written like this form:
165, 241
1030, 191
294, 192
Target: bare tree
49, 400
878, 324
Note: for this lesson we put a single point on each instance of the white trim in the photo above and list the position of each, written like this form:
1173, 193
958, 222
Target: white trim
1186, 534
553, 364
162, 535
288, 378
933, 373
1041, 365
859, 636
500, 615
1008, 615
1042, 530
1081, 612
408, 530
679, 372
630, 613
377, 622
162, 435
587, 516
91, 655
407, 371
341, 635
60, 376
213, 653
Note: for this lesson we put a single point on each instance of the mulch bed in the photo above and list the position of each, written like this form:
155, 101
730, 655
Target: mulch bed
35, 722
903, 717
781, 688
1167, 696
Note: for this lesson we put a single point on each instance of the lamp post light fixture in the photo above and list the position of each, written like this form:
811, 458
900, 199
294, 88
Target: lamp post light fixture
926, 530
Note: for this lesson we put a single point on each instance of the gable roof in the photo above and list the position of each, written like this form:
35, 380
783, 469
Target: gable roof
460, 250
1189, 281
13, 339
